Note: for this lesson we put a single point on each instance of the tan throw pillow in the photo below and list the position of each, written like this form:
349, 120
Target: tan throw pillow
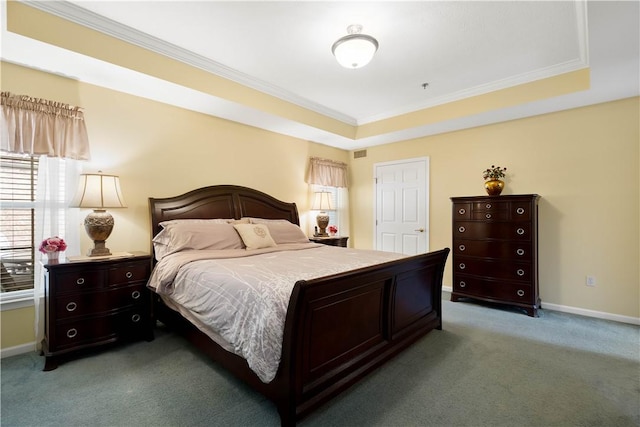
283, 231
255, 236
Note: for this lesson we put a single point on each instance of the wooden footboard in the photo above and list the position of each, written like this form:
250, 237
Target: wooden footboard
339, 328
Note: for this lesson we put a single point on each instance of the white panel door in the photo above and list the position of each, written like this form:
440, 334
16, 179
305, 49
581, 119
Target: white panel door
401, 208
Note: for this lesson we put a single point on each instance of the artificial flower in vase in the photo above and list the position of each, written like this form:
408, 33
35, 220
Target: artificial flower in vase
493, 184
52, 247
333, 230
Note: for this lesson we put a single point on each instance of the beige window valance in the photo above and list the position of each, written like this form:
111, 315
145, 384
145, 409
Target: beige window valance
327, 172
41, 127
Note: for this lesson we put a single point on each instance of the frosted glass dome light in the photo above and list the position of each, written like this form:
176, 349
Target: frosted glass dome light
354, 50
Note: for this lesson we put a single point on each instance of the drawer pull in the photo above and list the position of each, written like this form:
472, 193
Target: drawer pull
462, 284
462, 211
80, 281
520, 231
72, 332
71, 306
462, 266
520, 272
520, 251
520, 211
135, 318
135, 294
129, 275
462, 248
488, 205
461, 229
488, 216
520, 293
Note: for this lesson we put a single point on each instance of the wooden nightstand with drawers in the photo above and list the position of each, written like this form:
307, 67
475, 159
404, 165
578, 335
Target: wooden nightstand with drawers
95, 302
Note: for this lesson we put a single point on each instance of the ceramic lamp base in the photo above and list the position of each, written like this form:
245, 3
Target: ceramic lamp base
98, 225
323, 222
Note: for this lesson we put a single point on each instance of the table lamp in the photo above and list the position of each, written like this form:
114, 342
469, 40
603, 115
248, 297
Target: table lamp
98, 192
322, 203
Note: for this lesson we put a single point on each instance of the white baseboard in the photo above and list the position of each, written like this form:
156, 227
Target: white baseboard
591, 313
19, 349
581, 311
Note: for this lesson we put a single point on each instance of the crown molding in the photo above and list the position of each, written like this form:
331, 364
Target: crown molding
497, 85
91, 20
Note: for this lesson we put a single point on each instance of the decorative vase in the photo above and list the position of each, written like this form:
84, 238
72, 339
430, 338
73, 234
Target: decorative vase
53, 256
494, 187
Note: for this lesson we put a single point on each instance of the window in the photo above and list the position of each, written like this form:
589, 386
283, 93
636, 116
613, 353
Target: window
18, 178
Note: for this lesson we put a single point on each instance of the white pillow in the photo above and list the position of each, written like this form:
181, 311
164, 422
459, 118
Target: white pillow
255, 236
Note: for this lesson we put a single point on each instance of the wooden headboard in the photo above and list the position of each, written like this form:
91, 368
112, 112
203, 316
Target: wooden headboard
220, 201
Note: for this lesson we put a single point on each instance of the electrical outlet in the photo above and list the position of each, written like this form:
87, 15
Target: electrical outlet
591, 281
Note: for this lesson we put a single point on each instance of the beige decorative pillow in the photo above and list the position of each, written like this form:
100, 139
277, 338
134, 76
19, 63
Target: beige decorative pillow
255, 236
282, 231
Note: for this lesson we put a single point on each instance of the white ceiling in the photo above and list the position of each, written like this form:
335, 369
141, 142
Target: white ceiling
460, 48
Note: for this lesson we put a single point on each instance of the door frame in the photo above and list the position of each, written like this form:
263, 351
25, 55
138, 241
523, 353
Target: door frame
375, 195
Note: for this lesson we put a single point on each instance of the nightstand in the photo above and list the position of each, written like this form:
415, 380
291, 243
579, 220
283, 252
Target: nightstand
90, 303
331, 240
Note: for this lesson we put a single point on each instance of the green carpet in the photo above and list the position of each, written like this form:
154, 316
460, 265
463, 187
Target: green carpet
488, 367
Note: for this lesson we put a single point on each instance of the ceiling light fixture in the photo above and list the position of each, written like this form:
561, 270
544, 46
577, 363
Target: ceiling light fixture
354, 50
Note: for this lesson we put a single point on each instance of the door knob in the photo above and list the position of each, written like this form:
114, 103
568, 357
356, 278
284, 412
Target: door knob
420, 230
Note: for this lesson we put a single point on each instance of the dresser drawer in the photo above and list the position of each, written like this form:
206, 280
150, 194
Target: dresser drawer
82, 304
492, 230
498, 269
128, 273
490, 206
461, 211
488, 289
84, 331
490, 215
129, 296
494, 249
79, 332
78, 281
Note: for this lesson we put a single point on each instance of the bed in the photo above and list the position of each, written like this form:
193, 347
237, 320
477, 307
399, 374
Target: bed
387, 305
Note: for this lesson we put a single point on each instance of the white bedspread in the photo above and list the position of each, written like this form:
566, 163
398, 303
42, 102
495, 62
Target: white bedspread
243, 295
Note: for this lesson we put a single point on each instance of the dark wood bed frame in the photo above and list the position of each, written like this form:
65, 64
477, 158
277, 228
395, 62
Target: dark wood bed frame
338, 328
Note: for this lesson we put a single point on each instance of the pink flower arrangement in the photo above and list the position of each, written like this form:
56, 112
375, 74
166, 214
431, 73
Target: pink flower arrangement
52, 244
332, 229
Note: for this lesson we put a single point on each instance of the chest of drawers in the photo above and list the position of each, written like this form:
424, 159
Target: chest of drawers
495, 250
88, 304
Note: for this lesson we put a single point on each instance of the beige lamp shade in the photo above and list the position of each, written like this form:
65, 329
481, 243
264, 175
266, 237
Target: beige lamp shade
98, 192
322, 201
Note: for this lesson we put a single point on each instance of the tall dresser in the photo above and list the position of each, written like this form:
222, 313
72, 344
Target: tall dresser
495, 250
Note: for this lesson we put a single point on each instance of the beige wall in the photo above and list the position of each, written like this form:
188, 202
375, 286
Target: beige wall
583, 162
17, 327
160, 150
